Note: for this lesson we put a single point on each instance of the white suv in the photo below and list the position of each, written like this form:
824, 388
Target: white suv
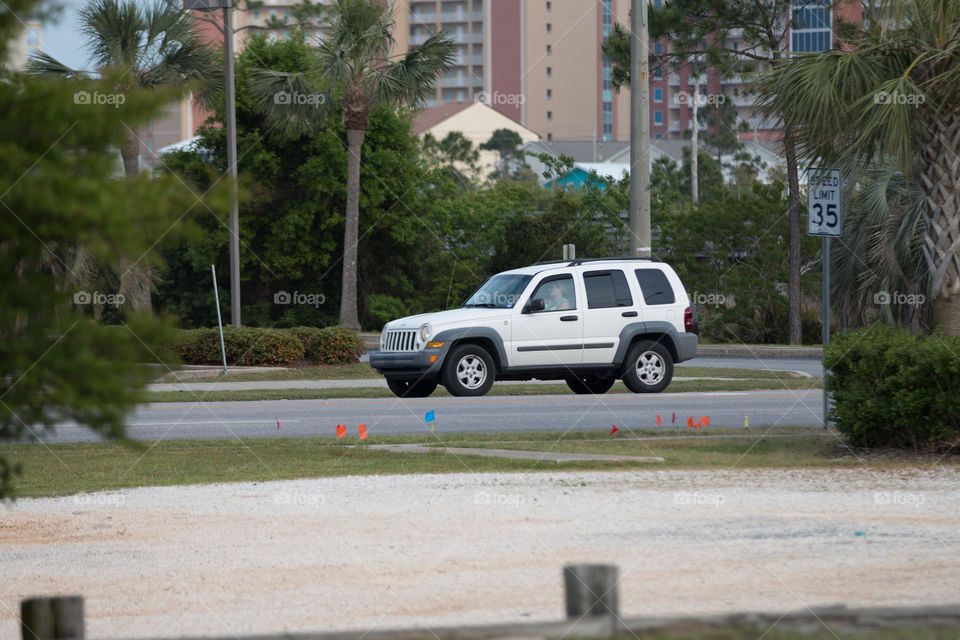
588, 322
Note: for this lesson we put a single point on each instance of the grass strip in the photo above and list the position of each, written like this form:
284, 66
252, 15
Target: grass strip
683, 386
362, 371
66, 469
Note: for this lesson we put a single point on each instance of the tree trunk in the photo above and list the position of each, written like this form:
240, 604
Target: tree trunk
795, 331
941, 187
348, 300
130, 152
135, 278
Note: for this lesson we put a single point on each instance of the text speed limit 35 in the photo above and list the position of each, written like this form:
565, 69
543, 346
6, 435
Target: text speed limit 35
824, 190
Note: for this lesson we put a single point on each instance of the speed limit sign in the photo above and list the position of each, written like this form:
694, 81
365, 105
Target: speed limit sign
823, 202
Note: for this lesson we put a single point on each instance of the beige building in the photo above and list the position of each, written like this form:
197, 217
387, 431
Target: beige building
476, 121
536, 61
27, 42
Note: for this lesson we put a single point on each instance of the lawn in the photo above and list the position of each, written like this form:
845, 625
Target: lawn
65, 469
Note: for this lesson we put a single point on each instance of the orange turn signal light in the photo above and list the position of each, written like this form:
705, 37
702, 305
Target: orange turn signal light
434, 345
433, 359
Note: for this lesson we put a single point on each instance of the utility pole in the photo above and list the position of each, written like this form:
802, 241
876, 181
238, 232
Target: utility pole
695, 156
232, 163
231, 124
640, 244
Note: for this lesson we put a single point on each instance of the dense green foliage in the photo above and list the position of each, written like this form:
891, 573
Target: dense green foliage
729, 252
891, 388
63, 198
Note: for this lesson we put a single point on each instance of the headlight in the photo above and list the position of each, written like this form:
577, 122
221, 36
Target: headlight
425, 333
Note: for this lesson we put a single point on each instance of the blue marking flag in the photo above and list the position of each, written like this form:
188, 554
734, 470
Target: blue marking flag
429, 418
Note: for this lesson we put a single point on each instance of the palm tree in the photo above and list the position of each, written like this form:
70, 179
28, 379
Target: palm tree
354, 61
151, 47
893, 94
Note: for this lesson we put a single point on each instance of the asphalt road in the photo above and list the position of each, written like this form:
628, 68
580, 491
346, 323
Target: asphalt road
811, 366
383, 416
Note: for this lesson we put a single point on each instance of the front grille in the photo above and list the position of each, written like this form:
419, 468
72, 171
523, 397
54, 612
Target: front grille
400, 340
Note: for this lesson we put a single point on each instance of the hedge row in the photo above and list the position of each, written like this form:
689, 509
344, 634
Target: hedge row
891, 388
249, 346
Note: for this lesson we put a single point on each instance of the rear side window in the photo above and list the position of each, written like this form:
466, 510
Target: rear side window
655, 287
607, 289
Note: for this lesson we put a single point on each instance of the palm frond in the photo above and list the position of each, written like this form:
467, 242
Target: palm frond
41, 64
291, 105
410, 79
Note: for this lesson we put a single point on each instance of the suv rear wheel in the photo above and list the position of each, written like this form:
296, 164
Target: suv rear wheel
590, 384
469, 371
408, 389
649, 367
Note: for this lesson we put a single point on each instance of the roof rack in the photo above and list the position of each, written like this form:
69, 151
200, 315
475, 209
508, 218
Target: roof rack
578, 261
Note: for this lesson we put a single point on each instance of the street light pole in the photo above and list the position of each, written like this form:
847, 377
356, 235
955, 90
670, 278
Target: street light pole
232, 163
209, 6
640, 243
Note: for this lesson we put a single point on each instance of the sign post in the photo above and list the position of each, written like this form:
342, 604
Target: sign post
825, 219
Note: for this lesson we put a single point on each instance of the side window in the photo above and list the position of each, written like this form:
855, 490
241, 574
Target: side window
655, 287
557, 293
607, 289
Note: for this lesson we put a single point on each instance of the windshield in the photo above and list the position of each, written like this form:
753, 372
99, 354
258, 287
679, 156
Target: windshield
499, 292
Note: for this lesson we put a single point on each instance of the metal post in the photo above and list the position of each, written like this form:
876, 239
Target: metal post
216, 296
640, 244
232, 165
826, 319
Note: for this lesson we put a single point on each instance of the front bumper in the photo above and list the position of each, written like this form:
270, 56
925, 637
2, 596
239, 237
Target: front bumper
409, 365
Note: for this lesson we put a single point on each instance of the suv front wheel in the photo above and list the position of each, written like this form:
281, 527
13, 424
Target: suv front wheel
469, 371
649, 367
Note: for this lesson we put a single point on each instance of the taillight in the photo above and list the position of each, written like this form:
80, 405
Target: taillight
688, 323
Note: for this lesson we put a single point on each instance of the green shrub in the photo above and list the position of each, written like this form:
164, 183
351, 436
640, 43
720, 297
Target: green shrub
894, 389
246, 346
331, 345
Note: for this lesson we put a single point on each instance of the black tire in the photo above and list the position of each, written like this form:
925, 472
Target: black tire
469, 371
410, 389
590, 384
649, 367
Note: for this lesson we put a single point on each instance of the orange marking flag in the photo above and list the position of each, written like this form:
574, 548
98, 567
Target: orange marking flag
362, 430
341, 430
658, 420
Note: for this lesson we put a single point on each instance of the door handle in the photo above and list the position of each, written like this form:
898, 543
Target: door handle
568, 318
629, 314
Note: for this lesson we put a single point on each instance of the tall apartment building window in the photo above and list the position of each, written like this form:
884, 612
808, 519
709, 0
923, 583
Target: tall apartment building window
549, 94
549, 50
549, 28
658, 73
549, 6
256, 14
658, 117
657, 48
549, 116
607, 70
810, 28
658, 94
549, 72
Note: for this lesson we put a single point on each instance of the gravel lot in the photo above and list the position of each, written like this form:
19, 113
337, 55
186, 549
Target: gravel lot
416, 551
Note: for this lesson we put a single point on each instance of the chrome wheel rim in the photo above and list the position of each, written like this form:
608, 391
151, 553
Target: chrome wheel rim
650, 368
471, 372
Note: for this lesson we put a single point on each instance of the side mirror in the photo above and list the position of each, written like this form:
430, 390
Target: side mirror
537, 304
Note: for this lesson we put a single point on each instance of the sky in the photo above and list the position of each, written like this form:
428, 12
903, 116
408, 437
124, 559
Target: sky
61, 36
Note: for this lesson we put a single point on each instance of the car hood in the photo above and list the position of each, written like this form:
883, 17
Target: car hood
440, 320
